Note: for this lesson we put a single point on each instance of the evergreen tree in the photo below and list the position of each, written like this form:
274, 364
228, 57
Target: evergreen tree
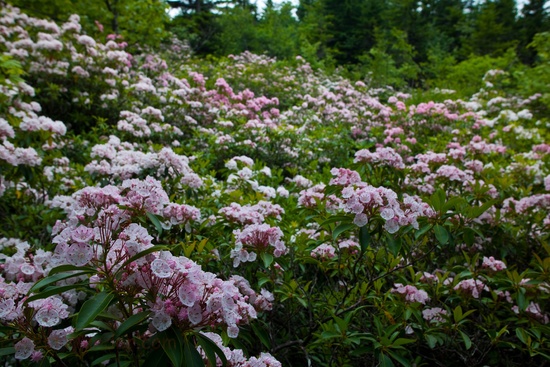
492, 29
534, 19
351, 26
446, 17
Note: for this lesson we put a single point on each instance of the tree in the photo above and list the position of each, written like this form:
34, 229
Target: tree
278, 32
492, 29
351, 26
534, 20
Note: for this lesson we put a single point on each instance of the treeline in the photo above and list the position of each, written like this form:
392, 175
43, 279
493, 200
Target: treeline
415, 43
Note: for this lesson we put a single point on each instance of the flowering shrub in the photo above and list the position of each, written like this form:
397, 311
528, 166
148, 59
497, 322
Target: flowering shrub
256, 213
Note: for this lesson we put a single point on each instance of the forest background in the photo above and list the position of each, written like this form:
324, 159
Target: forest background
446, 44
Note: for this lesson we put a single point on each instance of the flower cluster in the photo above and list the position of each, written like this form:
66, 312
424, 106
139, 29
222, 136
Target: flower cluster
411, 293
365, 201
256, 239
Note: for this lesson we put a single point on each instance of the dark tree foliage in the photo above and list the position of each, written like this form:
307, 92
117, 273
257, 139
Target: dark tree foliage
351, 28
409, 40
533, 20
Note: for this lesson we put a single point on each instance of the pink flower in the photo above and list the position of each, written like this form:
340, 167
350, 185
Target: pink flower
161, 321
24, 348
254, 239
383, 155
472, 287
412, 294
161, 268
58, 338
491, 263
49, 311
434, 315
79, 254
323, 251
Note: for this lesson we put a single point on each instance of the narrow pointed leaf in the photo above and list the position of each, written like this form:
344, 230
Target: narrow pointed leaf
364, 238
207, 343
342, 228
104, 358
192, 357
172, 343
68, 267
130, 323
140, 255
91, 308
53, 279
155, 221
466, 339
7, 351
53, 290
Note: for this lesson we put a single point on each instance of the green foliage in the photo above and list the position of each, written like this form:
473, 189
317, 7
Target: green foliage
391, 61
141, 23
466, 76
278, 33
492, 29
537, 79
238, 32
10, 70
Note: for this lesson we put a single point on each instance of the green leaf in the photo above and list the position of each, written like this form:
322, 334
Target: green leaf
476, 211
466, 339
7, 351
172, 343
103, 359
53, 279
211, 349
155, 221
140, 255
67, 267
53, 290
91, 308
262, 281
399, 358
437, 200
522, 301
468, 236
267, 258
457, 314
452, 203
385, 361
441, 234
522, 335
422, 230
121, 364
431, 340
403, 341
336, 218
192, 357
130, 323
364, 238
101, 347
262, 334
341, 228
394, 244
157, 358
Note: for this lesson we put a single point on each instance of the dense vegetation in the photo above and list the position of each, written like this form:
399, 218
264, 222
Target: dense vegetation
163, 208
421, 43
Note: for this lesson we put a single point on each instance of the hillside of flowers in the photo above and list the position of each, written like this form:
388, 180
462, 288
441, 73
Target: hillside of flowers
158, 210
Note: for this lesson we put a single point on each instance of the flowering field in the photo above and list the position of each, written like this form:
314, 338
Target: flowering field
158, 210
